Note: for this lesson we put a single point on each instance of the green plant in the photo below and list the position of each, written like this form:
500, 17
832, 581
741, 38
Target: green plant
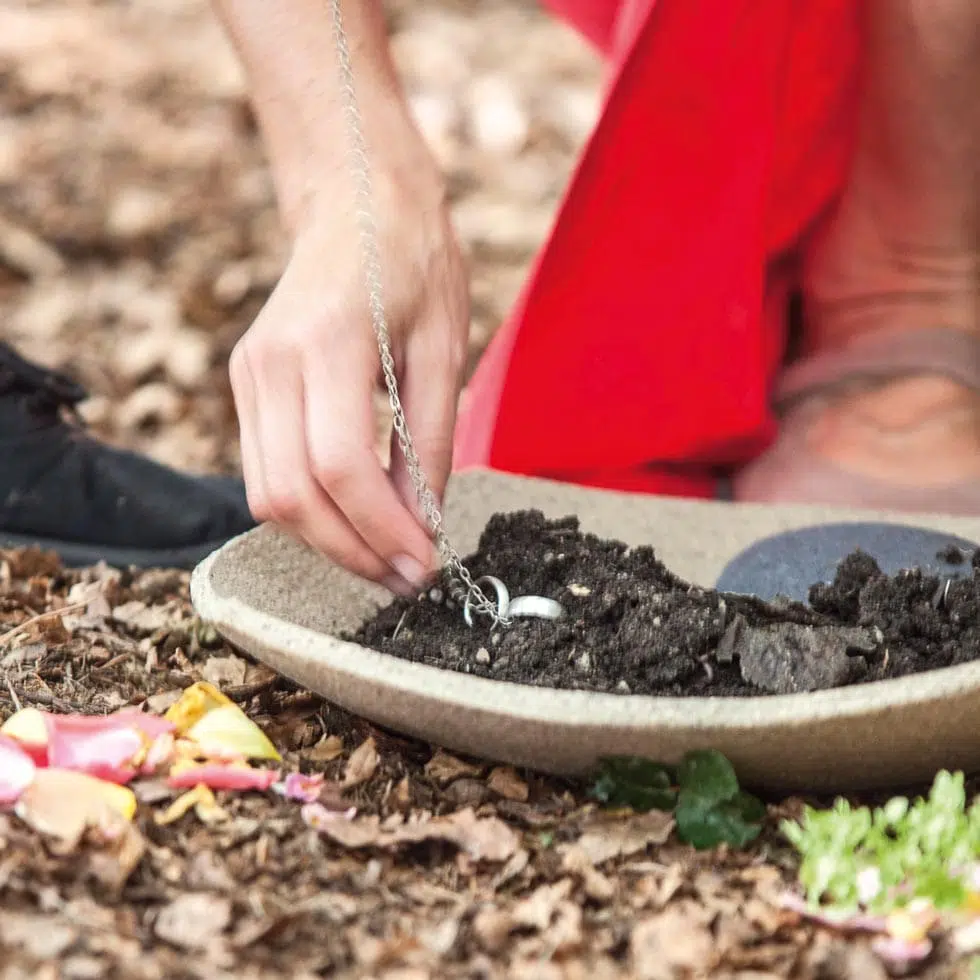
702, 791
879, 860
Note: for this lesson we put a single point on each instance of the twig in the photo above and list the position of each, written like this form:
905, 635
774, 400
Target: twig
5, 638
13, 695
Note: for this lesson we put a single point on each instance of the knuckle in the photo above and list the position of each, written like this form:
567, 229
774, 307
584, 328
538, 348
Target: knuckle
285, 506
335, 470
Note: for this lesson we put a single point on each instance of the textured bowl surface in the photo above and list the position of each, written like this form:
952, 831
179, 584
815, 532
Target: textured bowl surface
275, 599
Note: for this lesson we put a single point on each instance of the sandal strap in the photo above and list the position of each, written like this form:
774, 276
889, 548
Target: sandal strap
883, 355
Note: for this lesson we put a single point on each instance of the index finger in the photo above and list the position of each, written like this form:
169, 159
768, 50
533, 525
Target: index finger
339, 412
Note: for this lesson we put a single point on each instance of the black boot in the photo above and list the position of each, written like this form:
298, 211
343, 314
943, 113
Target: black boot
65, 492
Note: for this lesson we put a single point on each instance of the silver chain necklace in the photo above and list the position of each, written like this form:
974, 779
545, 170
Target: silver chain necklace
460, 582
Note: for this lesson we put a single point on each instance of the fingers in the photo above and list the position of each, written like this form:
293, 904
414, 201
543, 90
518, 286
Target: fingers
340, 443
268, 388
429, 393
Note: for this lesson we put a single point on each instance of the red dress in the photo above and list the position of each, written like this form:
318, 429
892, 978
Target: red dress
643, 348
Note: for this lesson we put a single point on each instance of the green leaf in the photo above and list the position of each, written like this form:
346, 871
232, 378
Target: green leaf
709, 775
704, 826
635, 782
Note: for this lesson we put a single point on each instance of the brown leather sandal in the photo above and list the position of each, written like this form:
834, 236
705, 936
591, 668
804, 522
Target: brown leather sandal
790, 472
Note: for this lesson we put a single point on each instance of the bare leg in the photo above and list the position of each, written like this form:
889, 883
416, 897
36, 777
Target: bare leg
902, 251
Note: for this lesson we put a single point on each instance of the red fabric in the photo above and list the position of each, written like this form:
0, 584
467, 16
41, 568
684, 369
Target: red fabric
642, 351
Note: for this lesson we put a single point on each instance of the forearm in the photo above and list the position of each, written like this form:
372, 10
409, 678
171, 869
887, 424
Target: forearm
289, 53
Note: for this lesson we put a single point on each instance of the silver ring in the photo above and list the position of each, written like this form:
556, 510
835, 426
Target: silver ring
503, 599
535, 606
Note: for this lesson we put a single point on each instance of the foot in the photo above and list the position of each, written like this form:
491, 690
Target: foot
64, 491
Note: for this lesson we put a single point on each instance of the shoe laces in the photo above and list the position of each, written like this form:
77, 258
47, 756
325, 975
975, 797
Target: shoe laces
43, 391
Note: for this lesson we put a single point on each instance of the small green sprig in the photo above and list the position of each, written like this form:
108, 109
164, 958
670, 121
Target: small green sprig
702, 791
880, 860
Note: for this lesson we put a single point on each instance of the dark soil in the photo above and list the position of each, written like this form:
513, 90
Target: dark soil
633, 627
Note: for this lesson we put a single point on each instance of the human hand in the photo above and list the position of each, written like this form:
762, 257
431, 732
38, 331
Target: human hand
304, 374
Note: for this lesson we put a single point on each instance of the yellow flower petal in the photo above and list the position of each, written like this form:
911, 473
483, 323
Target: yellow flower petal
196, 701
201, 800
227, 733
27, 726
64, 803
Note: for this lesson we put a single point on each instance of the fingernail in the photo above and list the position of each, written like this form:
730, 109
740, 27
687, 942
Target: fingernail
410, 570
398, 585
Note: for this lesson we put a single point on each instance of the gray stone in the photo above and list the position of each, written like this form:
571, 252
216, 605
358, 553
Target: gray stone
787, 658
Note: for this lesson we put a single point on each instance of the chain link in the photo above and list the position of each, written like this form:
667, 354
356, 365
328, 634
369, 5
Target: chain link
460, 582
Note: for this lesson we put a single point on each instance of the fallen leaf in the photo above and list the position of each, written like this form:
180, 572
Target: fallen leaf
193, 920
41, 937
316, 815
224, 671
612, 837
677, 942
164, 701
536, 911
481, 838
326, 750
443, 768
144, 619
232, 776
362, 764
113, 864
17, 770
64, 804
201, 800
576, 861
505, 782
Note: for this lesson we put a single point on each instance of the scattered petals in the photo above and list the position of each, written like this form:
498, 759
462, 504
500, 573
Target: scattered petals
17, 770
900, 953
196, 701
29, 728
221, 776
227, 732
64, 804
317, 816
201, 800
160, 752
106, 747
298, 786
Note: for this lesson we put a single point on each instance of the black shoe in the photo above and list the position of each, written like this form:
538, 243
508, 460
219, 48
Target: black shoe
65, 492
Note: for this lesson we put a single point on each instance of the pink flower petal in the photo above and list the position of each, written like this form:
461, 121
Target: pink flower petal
151, 725
102, 746
315, 815
298, 786
899, 953
17, 770
217, 776
843, 921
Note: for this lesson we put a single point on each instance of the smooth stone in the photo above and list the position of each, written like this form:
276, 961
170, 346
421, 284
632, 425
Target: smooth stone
277, 600
788, 563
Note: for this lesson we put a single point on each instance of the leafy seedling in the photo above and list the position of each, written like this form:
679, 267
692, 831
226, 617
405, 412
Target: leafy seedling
709, 806
880, 860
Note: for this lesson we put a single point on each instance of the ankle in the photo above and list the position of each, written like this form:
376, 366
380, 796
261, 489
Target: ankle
924, 429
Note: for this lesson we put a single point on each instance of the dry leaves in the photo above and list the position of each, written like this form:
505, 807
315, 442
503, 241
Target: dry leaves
608, 837
481, 838
193, 920
362, 764
505, 782
444, 768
